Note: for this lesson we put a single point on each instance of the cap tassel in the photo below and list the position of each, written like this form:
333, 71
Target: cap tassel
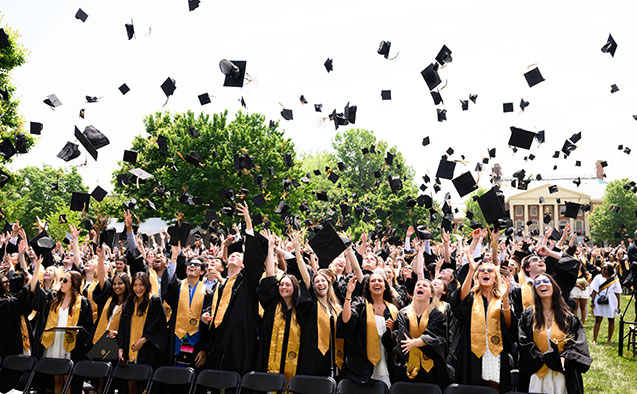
395, 56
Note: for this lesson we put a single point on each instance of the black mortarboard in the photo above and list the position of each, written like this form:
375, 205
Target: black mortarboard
576, 137
539, 136
507, 107
444, 56
179, 232
303, 100
81, 15
430, 74
80, 201
341, 166
130, 30
425, 200
547, 218
410, 202
553, 189
435, 94
234, 70
86, 143
442, 114
287, 114
4, 178
377, 174
258, 200
62, 219
614, 88
533, 77
130, 156
108, 236
465, 184
4, 39
52, 101
193, 5
383, 48
567, 148
204, 99
193, 132
318, 107
426, 141
98, 193
36, 128
473, 97
385, 94
350, 113
20, 143
328, 65
389, 159
572, 209
162, 142
395, 183
124, 88
610, 46
450, 151
491, 206
464, 104
333, 177
523, 104
287, 159
521, 138
194, 158
445, 169
328, 245
168, 87
321, 196
7, 150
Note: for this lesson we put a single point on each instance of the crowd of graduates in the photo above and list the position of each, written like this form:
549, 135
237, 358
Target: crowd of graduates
384, 309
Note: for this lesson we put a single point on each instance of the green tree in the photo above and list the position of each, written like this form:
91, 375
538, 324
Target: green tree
217, 144
33, 195
56, 229
12, 56
606, 222
472, 206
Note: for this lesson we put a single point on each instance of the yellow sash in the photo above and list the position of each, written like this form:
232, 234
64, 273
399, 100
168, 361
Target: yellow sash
527, 291
220, 310
276, 344
102, 324
494, 331
89, 295
325, 332
154, 290
607, 285
136, 330
52, 320
189, 313
541, 341
417, 358
24, 332
373, 340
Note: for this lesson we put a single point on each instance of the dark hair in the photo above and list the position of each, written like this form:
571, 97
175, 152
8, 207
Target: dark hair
387, 294
114, 297
295, 293
129, 307
609, 268
562, 313
76, 284
526, 263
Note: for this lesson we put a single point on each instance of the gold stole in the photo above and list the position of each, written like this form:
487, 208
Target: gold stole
136, 330
154, 290
188, 313
527, 291
607, 285
24, 332
373, 340
325, 333
52, 320
541, 341
102, 324
89, 295
220, 310
494, 331
276, 344
417, 358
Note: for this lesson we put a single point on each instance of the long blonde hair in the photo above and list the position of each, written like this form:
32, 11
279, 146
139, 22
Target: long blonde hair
331, 303
497, 286
434, 303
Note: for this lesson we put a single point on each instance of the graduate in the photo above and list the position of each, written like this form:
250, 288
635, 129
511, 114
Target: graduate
487, 327
553, 348
280, 336
233, 315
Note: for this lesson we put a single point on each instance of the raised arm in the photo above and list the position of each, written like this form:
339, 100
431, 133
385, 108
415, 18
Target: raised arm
75, 245
446, 246
353, 261
347, 306
419, 261
33, 282
466, 285
296, 238
270, 268
101, 270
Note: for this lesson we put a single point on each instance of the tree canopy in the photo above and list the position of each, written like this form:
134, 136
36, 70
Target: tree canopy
616, 218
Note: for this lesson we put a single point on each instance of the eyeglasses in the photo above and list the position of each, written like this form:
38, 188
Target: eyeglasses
489, 270
4, 282
545, 281
65, 280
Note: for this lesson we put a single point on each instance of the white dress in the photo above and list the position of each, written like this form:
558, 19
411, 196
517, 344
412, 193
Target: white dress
381, 372
490, 363
56, 350
609, 310
550, 383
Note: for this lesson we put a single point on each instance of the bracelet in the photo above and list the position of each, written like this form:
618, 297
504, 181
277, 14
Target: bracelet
348, 299
507, 309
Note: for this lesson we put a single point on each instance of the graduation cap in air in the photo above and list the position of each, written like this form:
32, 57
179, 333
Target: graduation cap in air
4, 39
124, 89
42, 245
168, 87
426, 141
140, 174
444, 56
81, 15
572, 209
328, 244
193, 5
507, 107
52, 101
435, 94
464, 104
7, 150
553, 189
80, 201
162, 142
523, 104
442, 114
533, 77
91, 139
492, 206
179, 232
36, 128
318, 107
130, 30
194, 158
20, 143
258, 200
130, 156
383, 49
234, 70
287, 114
521, 138
430, 74
98, 193
614, 88
445, 169
69, 152
610, 46
329, 65
389, 159
4, 178
385, 94
287, 159
465, 184
204, 99
108, 236
350, 113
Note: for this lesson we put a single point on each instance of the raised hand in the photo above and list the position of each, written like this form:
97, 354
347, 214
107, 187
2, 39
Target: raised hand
410, 231
243, 211
351, 286
75, 232
128, 221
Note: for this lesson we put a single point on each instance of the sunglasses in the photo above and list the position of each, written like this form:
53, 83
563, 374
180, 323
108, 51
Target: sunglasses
542, 281
195, 264
65, 280
489, 270
4, 282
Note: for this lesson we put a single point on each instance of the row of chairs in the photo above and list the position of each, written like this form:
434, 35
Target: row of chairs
86, 371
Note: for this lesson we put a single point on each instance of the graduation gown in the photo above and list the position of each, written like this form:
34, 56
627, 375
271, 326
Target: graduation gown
12, 309
564, 271
468, 367
575, 352
154, 331
234, 341
357, 367
435, 349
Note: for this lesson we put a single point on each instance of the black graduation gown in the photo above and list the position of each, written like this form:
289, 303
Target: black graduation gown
357, 367
234, 342
564, 271
154, 331
268, 293
12, 308
468, 367
434, 336
41, 301
575, 353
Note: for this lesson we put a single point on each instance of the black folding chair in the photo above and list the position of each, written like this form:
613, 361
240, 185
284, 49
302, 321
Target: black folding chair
263, 381
304, 384
51, 367
346, 386
87, 369
173, 376
134, 372
218, 380
16, 368
414, 388
468, 389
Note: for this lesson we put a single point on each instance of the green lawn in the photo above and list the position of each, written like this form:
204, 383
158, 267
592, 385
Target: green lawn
610, 373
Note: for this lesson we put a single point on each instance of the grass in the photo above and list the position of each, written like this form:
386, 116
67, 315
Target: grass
610, 373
